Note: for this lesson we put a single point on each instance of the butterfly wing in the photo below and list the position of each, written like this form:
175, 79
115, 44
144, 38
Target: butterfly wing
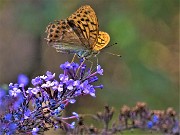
84, 23
102, 41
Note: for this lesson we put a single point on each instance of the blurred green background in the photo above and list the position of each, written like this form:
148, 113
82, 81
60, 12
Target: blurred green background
147, 33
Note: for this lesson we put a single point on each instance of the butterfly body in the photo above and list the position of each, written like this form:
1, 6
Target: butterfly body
78, 34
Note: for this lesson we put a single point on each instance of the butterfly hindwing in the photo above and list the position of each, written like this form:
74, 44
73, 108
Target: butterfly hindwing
60, 31
103, 40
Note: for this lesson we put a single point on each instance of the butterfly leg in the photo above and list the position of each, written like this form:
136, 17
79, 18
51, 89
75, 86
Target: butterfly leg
73, 58
80, 66
91, 64
97, 61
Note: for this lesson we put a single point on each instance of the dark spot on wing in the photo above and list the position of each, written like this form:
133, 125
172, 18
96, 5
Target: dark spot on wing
53, 26
57, 31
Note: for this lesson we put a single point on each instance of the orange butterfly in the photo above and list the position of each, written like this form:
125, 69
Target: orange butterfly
78, 34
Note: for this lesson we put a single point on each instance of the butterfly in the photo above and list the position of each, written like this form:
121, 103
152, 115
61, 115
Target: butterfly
78, 34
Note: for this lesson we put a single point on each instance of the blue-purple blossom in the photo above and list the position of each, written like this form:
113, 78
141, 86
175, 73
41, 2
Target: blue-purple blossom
62, 106
14, 90
34, 131
150, 124
12, 128
66, 65
27, 114
8, 116
72, 125
70, 84
37, 81
33, 90
155, 119
99, 70
23, 79
63, 78
72, 101
75, 114
50, 76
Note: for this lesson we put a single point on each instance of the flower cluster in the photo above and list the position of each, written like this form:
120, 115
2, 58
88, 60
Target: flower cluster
36, 109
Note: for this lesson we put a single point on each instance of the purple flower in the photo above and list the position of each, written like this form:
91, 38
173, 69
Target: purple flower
62, 106
150, 124
48, 84
155, 119
100, 86
33, 90
76, 83
75, 114
80, 81
85, 87
99, 70
37, 81
74, 65
72, 125
27, 114
34, 131
65, 66
12, 127
14, 89
60, 87
23, 79
72, 101
8, 117
70, 84
18, 102
92, 91
93, 79
56, 84
63, 78
50, 76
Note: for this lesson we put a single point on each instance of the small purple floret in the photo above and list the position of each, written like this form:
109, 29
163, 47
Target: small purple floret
23, 79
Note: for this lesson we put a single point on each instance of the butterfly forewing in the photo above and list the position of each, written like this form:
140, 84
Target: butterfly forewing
85, 24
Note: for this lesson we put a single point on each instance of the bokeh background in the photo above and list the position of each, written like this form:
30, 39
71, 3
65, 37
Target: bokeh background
147, 33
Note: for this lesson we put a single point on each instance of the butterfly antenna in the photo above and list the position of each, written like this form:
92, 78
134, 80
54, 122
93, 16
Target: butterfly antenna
110, 45
114, 54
